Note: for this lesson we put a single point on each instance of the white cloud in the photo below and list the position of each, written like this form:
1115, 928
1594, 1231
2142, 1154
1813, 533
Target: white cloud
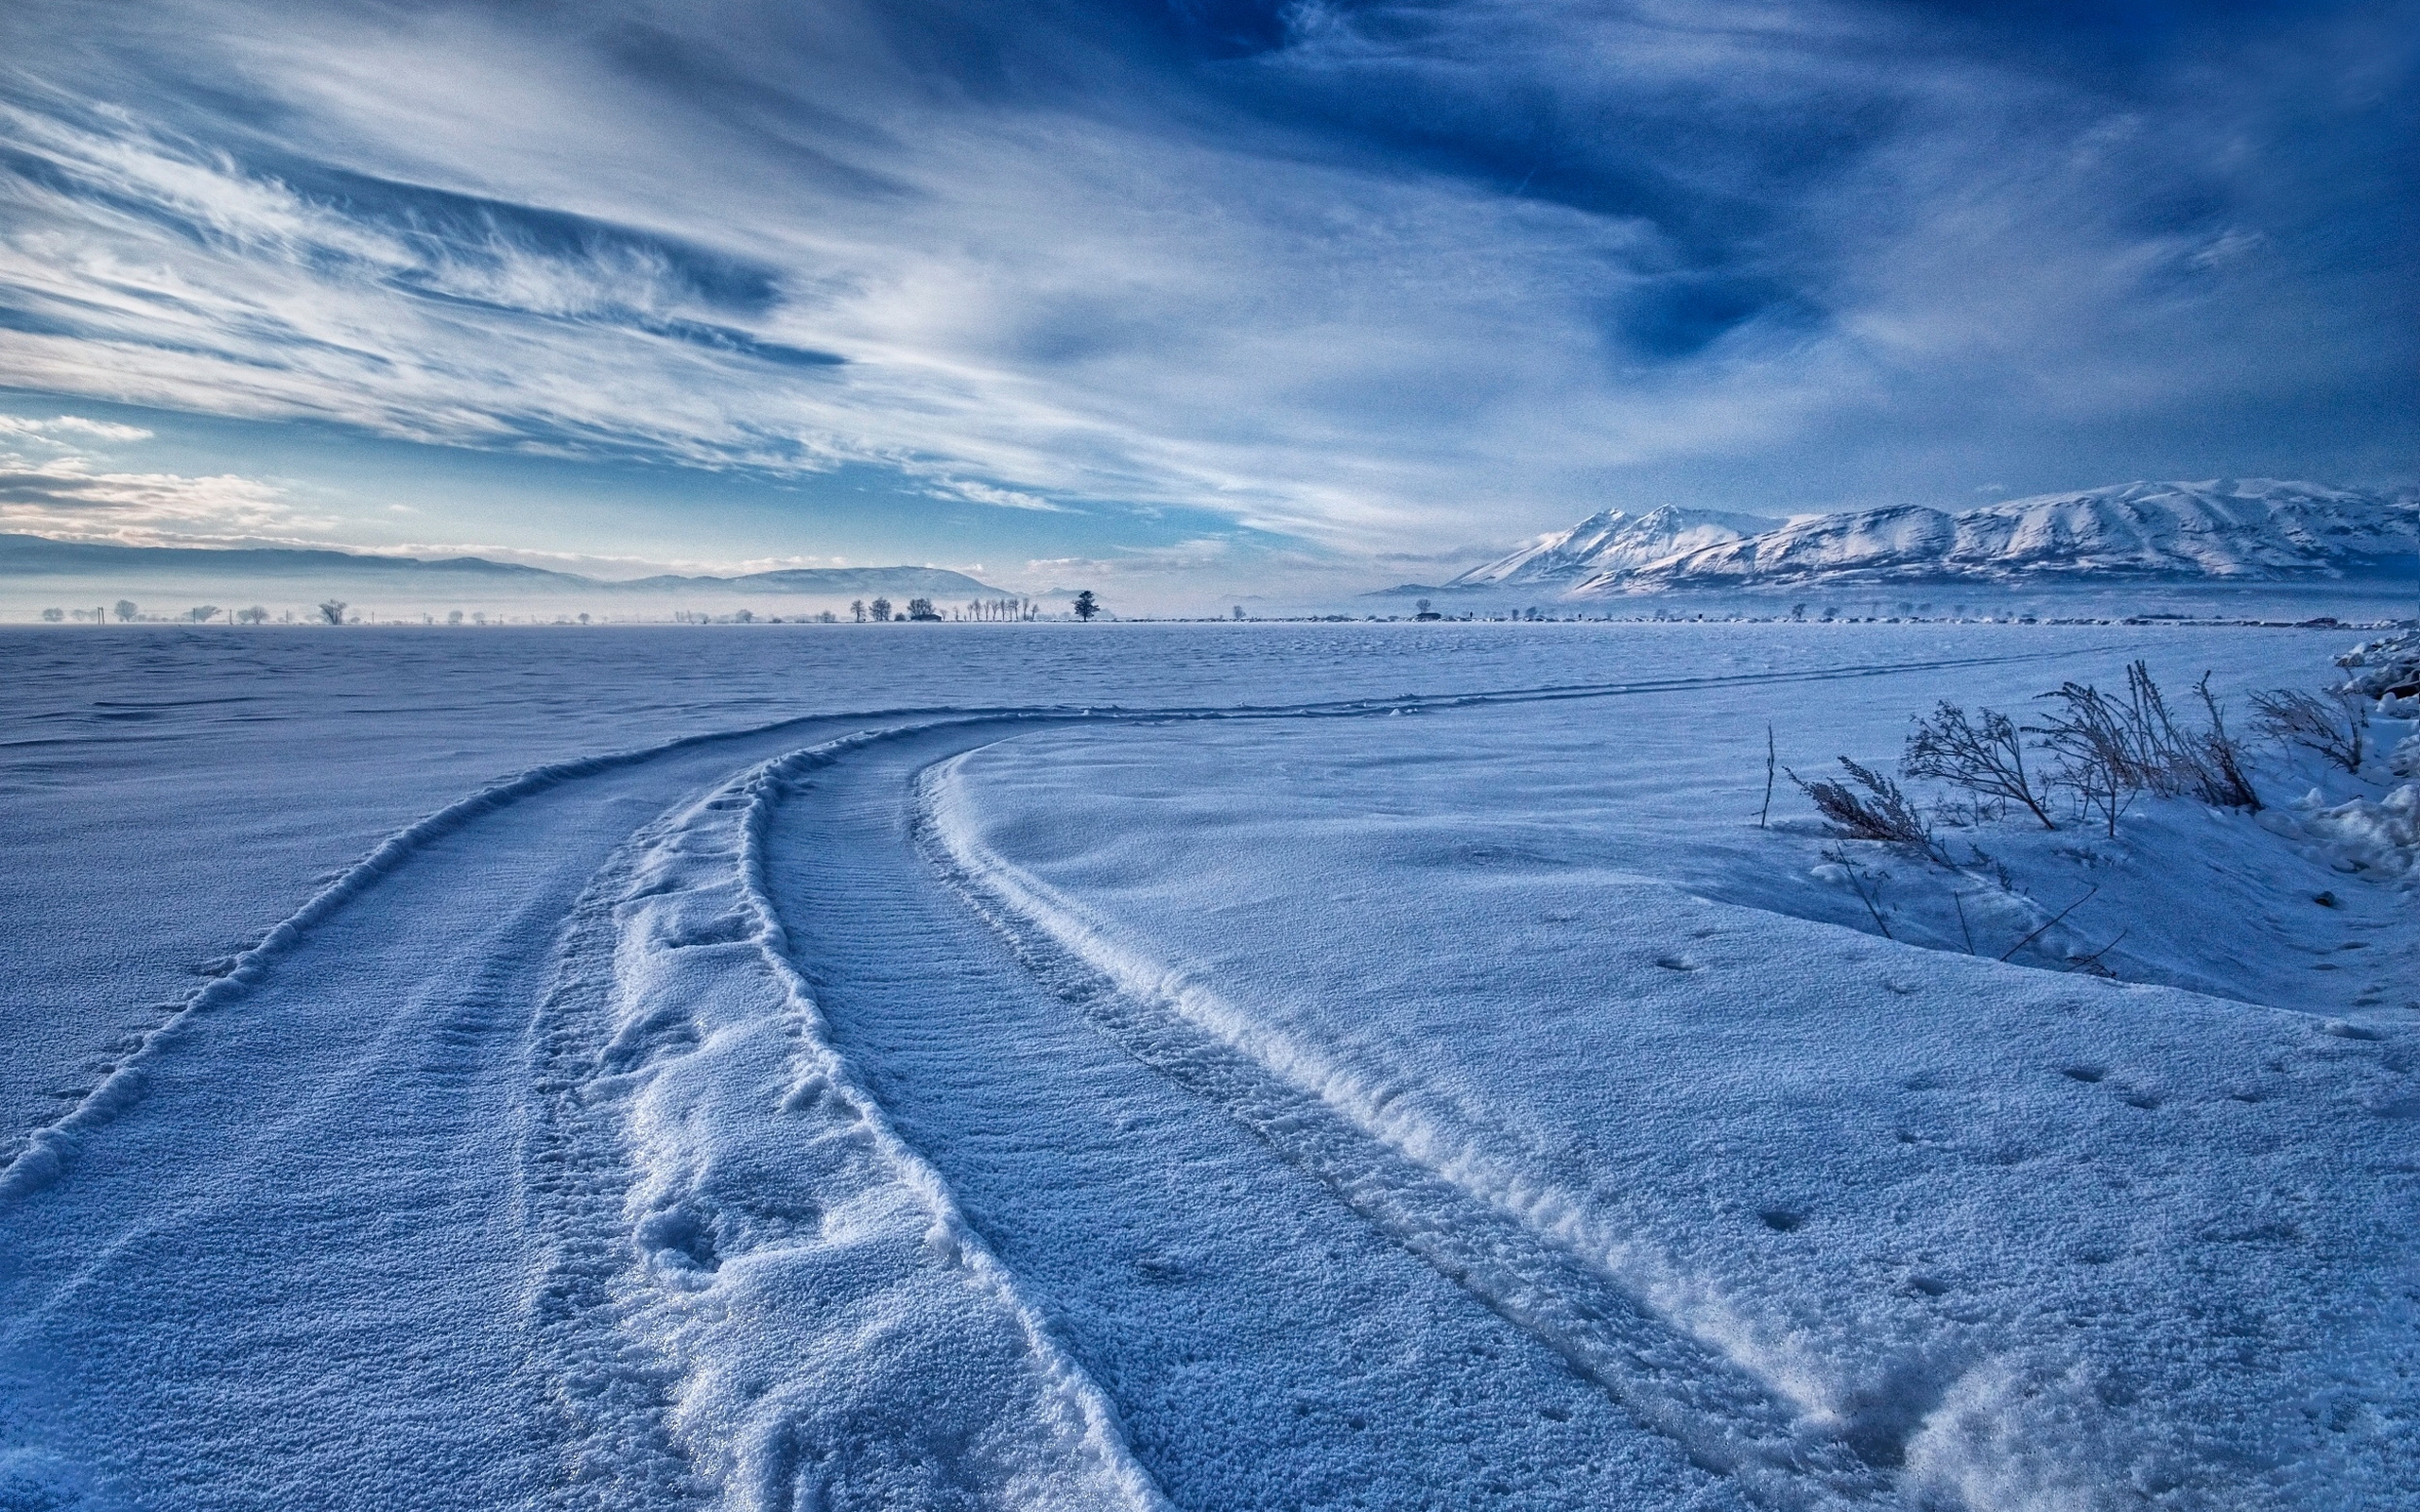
1083, 297
1040, 309
72, 498
68, 430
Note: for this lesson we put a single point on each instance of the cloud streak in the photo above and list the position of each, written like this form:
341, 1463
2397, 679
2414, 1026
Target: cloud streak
1366, 276
69, 498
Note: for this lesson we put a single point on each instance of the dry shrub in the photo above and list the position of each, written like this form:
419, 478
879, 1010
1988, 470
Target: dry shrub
2335, 727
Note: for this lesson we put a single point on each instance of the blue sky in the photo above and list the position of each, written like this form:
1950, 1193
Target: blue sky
1177, 298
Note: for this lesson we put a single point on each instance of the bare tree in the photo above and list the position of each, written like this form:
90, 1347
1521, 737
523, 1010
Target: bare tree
1086, 605
331, 610
53, 616
1985, 758
125, 610
922, 608
880, 610
202, 614
257, 614
857, 608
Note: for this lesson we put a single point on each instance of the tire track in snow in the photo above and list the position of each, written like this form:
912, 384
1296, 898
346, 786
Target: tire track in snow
209, 1166
1514, 1249
751, 1292
291, 1273
48, 1148
1265, 1345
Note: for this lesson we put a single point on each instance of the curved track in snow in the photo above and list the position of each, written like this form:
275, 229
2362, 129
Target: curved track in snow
663, 1128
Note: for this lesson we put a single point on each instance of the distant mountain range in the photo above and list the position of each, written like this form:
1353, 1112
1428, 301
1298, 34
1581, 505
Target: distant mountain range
37, 556
2239, 528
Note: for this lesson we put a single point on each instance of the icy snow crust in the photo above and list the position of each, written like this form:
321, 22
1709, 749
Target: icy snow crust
1390, 1073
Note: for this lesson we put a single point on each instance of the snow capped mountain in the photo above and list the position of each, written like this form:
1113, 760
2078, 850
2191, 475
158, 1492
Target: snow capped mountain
1611, 542
2236, 528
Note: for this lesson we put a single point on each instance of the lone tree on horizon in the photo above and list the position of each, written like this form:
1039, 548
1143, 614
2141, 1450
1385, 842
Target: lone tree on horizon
1086, 605
331, 610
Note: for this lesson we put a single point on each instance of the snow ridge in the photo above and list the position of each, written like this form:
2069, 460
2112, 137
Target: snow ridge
765, 1225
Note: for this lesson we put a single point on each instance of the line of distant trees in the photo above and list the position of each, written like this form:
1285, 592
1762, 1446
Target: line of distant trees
127, 612
882, 611
337, 612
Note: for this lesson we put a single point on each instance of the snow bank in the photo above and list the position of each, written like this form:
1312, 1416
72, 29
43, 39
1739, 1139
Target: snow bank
2376, 837
2387, 669
799, 1316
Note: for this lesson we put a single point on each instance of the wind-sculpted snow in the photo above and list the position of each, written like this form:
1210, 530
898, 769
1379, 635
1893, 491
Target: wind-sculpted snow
1378, 1151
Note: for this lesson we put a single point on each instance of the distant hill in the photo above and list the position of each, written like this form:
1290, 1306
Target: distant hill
828, 581
37, 556
2250, 529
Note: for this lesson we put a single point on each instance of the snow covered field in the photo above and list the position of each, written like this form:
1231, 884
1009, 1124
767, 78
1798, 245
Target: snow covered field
1212, 1067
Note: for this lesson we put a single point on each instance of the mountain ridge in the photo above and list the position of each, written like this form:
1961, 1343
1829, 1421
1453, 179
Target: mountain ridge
2227, 529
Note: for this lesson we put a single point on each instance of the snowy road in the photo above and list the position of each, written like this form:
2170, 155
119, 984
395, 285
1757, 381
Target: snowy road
288, 1268
688, 1126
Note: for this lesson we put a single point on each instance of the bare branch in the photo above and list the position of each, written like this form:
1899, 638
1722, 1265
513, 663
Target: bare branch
1985, 756
2334, 726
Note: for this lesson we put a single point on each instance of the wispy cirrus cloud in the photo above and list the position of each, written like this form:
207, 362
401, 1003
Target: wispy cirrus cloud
1371, 277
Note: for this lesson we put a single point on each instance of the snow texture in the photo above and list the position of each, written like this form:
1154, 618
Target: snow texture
1959, 1233
1038, 1067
